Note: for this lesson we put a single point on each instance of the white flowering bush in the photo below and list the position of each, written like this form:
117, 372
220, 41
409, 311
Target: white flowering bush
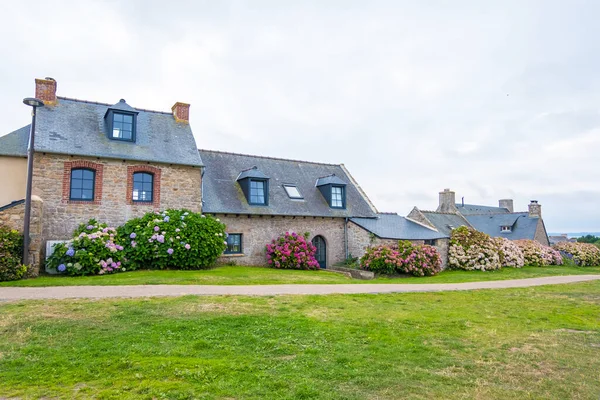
472, 250
538, 255
582, 254
509, 252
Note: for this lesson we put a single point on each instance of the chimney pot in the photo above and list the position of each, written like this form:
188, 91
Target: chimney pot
45, 90
535, 209
181, 112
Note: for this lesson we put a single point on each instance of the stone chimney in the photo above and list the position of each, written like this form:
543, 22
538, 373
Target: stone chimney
535, 209
506, 203
181, 112
447, 202
45, 90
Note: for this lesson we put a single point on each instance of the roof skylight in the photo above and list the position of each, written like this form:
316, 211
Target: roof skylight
292, 192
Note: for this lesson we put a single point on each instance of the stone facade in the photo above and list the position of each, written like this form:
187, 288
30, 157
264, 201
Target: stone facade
541, 235
12, 217
174, 186
258, 231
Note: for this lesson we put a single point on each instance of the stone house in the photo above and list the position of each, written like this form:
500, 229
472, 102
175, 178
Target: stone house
111, 162
259, 198
501, 221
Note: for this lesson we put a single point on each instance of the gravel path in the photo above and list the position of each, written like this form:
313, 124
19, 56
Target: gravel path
75, 292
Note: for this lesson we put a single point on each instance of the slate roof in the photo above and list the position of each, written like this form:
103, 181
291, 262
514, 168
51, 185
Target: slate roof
445, 222
78, 127
330, 179
470, 209
222, 194
15, 143
523, 227
394, 226
252, 173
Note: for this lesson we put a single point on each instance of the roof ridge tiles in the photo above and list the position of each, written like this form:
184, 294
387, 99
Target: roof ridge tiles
268, 158
110, 105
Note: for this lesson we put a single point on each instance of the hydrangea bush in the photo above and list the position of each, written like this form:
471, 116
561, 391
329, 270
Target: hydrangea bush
510, 253
418, 260
472, 250
381, 260
93, 250
178, 239
537, 255
292, 251
11, 251
582, 254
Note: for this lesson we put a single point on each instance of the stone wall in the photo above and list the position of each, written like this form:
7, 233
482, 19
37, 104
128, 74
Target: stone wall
540, 233
175, 187
12, 217
258, 231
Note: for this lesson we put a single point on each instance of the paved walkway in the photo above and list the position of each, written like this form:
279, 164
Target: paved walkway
96, 292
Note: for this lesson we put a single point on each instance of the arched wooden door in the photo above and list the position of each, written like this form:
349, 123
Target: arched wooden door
321, 255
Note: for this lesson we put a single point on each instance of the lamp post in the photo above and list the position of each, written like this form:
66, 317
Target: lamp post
34, 103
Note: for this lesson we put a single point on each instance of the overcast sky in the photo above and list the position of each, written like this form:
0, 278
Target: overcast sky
492, 99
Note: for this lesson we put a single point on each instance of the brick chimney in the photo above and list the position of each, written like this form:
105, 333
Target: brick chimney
447, 201
535, 209
181, 112
45, 90
506, 203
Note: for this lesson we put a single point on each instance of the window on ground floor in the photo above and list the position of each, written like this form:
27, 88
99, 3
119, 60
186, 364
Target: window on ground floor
431, 242
234, 243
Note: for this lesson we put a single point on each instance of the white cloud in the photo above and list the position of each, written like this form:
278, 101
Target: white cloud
491, 99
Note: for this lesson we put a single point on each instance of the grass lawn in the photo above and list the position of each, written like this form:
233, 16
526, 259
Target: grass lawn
534, 343
239, 275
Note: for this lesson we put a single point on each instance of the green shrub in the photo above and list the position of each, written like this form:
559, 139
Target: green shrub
93, 250
178, 239
11, 251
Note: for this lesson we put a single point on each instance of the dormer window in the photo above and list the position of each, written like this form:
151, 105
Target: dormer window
292, 192
122, 126
505, 228
337, 196
255, 186
334, 190
121, 122
258, 191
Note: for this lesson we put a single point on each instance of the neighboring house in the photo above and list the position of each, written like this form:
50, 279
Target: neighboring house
259, 198
111, 162
388, 229
561, 238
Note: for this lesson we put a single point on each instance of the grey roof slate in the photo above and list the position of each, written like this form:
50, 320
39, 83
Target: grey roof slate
15, 143
330, 179
470, 209
78, 127
445, 222
523, 227
253, 172
394, 226
123, 106
222, 194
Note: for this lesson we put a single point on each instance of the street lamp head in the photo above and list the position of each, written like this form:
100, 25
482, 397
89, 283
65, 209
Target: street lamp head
32, 102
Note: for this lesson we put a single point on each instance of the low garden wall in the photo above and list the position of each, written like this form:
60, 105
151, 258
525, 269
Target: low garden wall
12, 216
